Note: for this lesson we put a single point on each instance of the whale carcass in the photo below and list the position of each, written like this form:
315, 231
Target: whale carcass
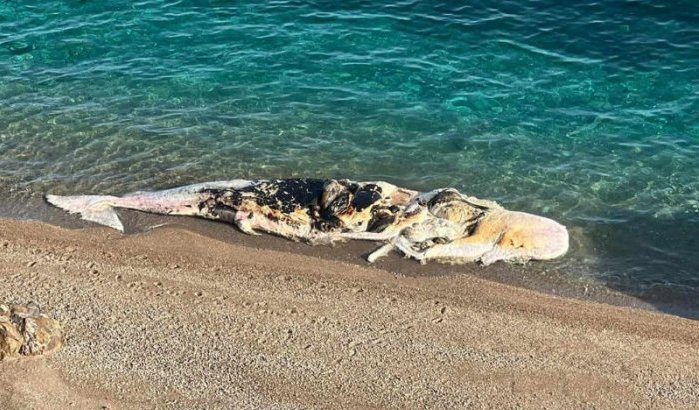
442, 224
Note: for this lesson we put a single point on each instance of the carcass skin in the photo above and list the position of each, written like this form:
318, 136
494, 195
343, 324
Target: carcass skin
442, 225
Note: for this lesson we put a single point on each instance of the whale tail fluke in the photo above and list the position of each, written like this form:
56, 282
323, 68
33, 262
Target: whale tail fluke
94, 208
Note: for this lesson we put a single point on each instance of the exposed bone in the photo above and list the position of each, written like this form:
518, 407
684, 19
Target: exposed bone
380, 252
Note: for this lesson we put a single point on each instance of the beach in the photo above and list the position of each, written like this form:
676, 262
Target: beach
585, 113
173, 318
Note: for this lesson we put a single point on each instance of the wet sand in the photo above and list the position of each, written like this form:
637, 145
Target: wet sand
183, 318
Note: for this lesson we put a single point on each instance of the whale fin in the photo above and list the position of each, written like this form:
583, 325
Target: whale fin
94, 208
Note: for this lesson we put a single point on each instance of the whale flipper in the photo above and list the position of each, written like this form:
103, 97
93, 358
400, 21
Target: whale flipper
94, 208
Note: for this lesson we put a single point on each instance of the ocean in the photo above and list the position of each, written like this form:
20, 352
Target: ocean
586, 112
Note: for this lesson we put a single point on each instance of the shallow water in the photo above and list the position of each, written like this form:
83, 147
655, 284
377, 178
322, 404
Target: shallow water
584, 113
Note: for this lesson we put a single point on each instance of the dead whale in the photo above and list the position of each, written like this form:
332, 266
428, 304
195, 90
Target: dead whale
442, 225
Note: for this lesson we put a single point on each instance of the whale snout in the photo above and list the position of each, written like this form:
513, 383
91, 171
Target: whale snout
555, 240
533, 237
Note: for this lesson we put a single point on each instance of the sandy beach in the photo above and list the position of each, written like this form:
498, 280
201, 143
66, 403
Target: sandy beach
171, 318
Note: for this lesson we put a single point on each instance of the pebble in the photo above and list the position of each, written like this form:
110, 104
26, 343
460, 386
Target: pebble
443, 310
90, 265
437, 320
30, 264
200, 293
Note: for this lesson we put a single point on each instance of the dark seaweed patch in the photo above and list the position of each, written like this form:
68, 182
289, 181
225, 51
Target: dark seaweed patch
329, 224
449, 195
285, 195
446, 195
288, 195
291, 195
381, 218
366, 196
337, 206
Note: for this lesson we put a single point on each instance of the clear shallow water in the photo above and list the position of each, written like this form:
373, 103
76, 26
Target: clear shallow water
588, 114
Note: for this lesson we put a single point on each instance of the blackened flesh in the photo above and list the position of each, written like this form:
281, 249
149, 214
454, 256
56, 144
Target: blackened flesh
292, 195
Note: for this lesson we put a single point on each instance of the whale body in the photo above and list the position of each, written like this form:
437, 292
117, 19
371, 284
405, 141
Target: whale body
442, 225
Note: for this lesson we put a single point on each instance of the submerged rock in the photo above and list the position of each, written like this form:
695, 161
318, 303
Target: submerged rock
25, 331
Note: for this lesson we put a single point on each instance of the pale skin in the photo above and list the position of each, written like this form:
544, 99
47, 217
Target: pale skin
502, 235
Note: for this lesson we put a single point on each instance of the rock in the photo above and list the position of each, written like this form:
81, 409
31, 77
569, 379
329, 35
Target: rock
25, 331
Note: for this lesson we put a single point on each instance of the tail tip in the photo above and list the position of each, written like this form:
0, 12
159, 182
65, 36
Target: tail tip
91, 208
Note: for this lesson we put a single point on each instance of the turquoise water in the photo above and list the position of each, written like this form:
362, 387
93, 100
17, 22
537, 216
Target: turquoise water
585, 113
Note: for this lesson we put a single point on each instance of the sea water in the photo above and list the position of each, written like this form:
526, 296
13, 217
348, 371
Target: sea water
585, 112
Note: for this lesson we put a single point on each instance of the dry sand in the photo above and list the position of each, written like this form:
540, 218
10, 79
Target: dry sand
174, 319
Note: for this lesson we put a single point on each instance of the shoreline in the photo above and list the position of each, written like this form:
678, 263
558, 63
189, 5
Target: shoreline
256, 327
549, 277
